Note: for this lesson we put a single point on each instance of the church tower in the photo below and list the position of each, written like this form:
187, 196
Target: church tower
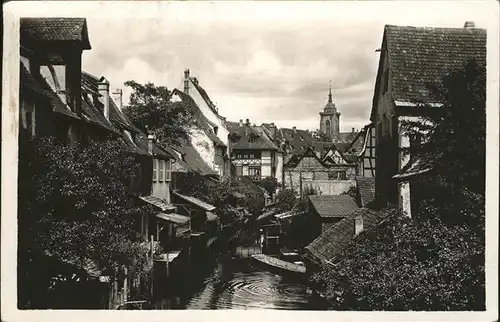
329, 118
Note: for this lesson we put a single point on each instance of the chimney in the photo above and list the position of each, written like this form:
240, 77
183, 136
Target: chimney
241, 122
103, 88
151, 140
272, 129
186, 81
247, 122
358, 225
118, 98
195, 80
469, 24
352, 130
294, 129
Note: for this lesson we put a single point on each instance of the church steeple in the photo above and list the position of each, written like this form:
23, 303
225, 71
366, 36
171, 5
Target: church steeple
330, 118
330, 93
330, 106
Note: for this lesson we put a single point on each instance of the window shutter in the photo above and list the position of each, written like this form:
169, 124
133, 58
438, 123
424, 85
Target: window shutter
168, 170
155, 169
162, 170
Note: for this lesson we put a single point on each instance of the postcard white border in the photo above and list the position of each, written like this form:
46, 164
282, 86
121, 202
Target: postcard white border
218, 10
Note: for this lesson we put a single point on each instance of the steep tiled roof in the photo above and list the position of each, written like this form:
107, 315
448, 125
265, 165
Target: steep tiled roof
246, 133
55, 29
366, 188
358, 143
201, 120
204, 95
142, 143
39, 86
333, 206
299, 140
295, 159
322, 147
337, 238
93, 110
93, 114
419, 56
192, 159
346, 137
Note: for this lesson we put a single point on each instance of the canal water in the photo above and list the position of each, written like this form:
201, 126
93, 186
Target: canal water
235, 283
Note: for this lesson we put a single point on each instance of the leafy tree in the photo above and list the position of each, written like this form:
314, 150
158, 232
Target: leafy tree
270, 184
454, 135
74, 207
408, 265
286, 200
151, 108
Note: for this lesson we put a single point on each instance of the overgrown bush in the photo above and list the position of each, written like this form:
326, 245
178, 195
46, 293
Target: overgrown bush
286, 200
409, 265
74, 206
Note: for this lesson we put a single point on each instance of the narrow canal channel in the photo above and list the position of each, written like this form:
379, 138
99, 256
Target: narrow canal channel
235, 283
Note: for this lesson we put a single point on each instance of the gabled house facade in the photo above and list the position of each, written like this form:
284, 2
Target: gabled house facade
204, 137
308, 171
362, 151
191, 86
410, 59
253, 152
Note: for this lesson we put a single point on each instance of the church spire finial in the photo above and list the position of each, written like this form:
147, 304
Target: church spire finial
330, 93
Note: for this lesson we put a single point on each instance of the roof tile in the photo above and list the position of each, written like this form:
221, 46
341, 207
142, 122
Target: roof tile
366, 188
333, 206
421, 56
339, 236
54, 29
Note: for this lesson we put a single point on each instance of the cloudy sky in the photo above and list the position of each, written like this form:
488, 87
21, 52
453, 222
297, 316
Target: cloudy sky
269, 62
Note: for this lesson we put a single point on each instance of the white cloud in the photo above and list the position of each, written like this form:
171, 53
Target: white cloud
268, 61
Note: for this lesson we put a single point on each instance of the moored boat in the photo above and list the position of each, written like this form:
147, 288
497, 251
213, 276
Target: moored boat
279, 266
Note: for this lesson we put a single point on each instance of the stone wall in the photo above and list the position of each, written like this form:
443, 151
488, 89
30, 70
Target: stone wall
329, 187
319, 180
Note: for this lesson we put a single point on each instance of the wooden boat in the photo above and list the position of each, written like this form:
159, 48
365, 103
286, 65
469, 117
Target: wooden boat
279, 266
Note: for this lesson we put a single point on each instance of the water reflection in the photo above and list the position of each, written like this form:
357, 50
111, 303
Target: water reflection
236, 284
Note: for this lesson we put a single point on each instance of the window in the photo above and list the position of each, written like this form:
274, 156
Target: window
216, 129
155, 169
245, 156
239, 170
254, 172
252, 156
168, 170
161, 174
338, 175
327, 127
